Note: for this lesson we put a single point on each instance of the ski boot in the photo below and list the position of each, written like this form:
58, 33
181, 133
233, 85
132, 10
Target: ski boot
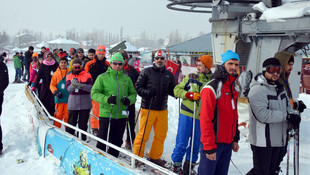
177, 167
95, 132
15, 81
186, 168
19, 81
127, 145
160, 162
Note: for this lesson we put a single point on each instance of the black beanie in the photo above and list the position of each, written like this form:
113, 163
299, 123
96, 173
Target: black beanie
271, 61
4, 54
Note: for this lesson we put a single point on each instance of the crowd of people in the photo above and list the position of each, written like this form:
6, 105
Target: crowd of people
74, 87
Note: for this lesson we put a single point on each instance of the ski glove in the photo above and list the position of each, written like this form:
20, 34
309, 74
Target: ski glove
33, 89
75, 83
294, 120
192, 96
58, 94
125, 101
152, 93
112, 99
300, 106
29, 84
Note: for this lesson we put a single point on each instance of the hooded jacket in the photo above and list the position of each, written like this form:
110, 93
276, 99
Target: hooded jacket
284, 57
116, 83
268, 109
219, 114
190, 85
159, 79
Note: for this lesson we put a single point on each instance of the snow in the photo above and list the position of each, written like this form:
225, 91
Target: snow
19, 136
62, 41
287, 10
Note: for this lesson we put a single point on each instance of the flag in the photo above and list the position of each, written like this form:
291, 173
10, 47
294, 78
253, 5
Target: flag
171, 66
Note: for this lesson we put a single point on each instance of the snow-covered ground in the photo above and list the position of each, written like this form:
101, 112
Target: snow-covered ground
19, 137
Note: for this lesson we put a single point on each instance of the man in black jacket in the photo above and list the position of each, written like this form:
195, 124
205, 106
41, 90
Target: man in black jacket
28, 60
4, 79
154, 85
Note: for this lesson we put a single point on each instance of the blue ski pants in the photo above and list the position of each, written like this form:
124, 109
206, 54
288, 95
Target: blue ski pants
220, 165
184, 139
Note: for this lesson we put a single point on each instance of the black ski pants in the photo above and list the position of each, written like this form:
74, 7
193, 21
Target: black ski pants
117, 128
81, 117
132, 122
1, 101
264, 160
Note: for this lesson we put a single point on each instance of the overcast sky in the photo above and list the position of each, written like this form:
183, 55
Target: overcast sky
135, 16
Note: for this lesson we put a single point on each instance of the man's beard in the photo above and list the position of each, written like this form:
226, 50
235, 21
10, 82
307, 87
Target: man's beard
162, 65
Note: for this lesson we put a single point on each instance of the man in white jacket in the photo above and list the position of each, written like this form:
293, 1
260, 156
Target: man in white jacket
270, 113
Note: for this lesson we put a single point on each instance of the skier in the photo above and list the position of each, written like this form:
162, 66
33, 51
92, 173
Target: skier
81, 56
18, 68
133, 74
270, 110
28, 60
179, 70
154, 84
4, 79
115, 91
58, 88
219, 117
96, 67
189, 90
79, 84
287, 62
47, 68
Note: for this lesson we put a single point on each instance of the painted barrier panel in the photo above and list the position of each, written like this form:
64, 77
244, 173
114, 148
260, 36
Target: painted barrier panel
78, 159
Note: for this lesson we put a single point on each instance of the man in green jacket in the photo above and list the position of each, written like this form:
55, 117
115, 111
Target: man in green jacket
114, 91
18, 68
189, 90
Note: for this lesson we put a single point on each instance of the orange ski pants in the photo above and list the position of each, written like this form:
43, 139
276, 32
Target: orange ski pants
158, 119
61, 112
96, 110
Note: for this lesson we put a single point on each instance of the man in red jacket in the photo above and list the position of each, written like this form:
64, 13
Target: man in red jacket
219, 117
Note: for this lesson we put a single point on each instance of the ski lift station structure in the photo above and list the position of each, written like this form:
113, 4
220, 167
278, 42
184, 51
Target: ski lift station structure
236, 26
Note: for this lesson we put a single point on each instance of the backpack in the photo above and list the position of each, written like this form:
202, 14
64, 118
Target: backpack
245, 80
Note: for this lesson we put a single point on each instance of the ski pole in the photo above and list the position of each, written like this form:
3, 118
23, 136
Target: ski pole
128, 124
193, 135
106, 149
235, 166
145, 125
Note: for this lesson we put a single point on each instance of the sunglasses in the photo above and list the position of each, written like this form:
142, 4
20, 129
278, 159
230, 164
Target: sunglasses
80, 52
273, 70
77, 67
157, 58
115, 63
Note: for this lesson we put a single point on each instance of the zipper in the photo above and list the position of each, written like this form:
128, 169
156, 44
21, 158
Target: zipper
117, 95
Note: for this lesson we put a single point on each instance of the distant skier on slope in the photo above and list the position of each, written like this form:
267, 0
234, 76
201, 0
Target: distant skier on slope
270, 110
189, 90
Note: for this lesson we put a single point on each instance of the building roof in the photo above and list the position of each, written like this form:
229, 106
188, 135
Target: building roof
129, 47
62, 41
200, 44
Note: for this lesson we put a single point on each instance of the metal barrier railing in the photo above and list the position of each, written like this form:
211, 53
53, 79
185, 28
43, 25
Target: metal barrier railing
47, 117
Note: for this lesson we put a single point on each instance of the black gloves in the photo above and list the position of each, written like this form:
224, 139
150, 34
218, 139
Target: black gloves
58, 94
29, 84
152, 93
125, 101
294, 120
300, 106
112, 99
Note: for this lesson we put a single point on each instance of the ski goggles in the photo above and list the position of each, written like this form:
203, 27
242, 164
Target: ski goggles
273, 69
157, 58
77, 67
117, 63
